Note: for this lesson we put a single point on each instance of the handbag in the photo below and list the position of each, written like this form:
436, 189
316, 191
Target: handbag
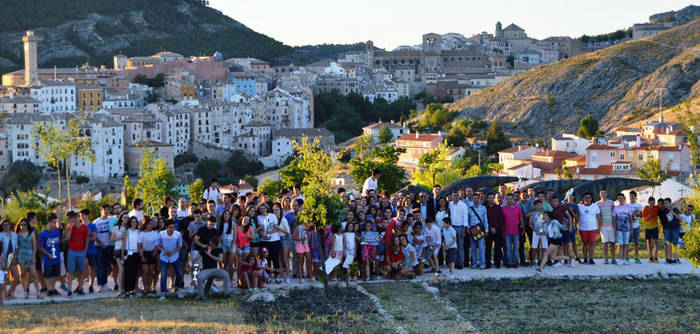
477, 231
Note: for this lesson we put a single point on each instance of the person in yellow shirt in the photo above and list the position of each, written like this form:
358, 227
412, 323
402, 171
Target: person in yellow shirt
650, 218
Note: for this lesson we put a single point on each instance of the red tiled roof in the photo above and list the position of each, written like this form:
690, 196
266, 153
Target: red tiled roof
600, 147
577, 158
421, 137
516, 148
554, 154
602, 170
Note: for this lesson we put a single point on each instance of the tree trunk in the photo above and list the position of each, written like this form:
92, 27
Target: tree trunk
70, 199
19, 200
58, 172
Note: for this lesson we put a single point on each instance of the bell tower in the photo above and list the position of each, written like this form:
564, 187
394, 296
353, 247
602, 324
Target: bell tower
31, 72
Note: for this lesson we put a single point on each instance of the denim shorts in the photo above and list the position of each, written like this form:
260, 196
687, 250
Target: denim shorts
75, 261
672, 235
244, 250
568, 236
623, 238
226, 245
634, 236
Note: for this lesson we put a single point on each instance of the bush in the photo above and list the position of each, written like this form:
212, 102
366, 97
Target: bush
82, 179
185, 158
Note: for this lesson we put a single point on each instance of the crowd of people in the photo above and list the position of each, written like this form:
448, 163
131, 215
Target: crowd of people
248, 241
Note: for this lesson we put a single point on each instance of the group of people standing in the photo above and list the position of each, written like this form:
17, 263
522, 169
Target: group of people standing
250, 240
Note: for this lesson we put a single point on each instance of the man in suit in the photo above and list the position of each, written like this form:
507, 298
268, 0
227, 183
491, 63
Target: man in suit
425, 206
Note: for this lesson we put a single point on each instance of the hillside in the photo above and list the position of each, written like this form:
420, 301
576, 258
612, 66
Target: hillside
75, 31
618, 84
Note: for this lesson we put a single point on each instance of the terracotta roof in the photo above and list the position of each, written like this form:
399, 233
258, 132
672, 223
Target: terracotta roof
518, 166
603, 170
516, 148
554, 154
628, 129
600, 147
419, 137
577, 158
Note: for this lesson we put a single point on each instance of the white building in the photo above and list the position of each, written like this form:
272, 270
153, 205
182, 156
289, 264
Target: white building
176, 125
55, 96
19, 105
283, 141
570, 143
397, 130
516, 155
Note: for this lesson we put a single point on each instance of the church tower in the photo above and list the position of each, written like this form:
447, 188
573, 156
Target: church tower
370, 54
499, 30
31, 72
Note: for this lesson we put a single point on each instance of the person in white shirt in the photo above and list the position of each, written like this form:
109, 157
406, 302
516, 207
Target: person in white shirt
449, 243
137, 205
459, 214
589, 223
212, 193
687, 219
433, 238
634, 236
182, 209
371, 182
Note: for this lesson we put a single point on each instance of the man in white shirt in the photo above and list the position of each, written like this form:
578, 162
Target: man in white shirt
137, 206
371, 182
589, 223
212, 193
459, 214
687, 219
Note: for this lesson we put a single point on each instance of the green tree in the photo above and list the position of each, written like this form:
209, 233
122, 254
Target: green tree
385, 135
691, 125
252, 180
456, 136
567, 174
270, 187
208, 168
25, 201
184, 158
588, 127
156, 180
435, 117
496, 140
385, 159
435, 167
651, 171
364, 145
473, 171
344, 156
240, 165
196, 190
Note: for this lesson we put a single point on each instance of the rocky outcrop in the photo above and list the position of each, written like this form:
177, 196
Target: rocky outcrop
618, 84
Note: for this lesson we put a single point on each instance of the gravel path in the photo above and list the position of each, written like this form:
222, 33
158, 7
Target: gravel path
599, 270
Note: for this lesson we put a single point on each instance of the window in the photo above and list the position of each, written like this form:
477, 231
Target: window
612, 154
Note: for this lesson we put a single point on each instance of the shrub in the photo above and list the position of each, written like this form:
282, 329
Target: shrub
82, 179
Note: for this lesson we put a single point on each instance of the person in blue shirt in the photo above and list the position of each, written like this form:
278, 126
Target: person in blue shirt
91, 250
50, 248
478, 217
169, 244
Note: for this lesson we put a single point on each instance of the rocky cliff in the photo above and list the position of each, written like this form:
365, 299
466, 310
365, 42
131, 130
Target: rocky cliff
619, 84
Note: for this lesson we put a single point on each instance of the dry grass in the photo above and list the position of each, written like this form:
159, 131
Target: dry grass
302, 311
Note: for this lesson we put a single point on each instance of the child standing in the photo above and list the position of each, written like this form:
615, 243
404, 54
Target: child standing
368, 249
539, 233
301, 245
433, 239
622, 214
336, 243
349, 246
417, 239
449, 243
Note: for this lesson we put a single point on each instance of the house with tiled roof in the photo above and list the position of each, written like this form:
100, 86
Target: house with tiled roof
516, 155
397, 130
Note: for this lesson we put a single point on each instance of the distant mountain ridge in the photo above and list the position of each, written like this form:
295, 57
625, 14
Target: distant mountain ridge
76, 31
618, 84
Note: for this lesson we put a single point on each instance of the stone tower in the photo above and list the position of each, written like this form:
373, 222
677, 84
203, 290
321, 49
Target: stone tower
31, 72
370, 54
120, 62
432, 48
499, 30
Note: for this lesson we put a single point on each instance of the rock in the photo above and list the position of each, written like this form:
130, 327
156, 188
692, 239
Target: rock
263, 296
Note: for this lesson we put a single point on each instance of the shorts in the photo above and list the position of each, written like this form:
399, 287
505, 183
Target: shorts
568, 237
226, 245
368, 252
53, 270
652, 234
301, 248
75, 261
92, 261
285, 241
672, 235
588, 237
634, 236
2, 277
555, 242
244, 249
451, 255
607, 234
623, 238
536, 239
150, 257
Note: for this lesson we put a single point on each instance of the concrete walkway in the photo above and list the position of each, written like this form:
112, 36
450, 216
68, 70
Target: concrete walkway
597, 271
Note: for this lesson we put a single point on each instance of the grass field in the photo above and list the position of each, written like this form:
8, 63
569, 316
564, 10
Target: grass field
491, 306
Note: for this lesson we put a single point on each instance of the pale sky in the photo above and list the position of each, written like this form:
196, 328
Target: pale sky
390, 23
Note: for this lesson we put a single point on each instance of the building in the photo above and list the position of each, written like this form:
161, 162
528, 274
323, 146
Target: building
31, 64
283, 141
516, 155
244, 83
134, 154
90, 97
642, 30
550, 162
343, 85
251, 64
20, 105
571, 143
176, 125
604, 159
416, 144
55, 96
397, 130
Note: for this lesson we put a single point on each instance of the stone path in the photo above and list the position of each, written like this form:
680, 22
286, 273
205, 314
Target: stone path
597, 271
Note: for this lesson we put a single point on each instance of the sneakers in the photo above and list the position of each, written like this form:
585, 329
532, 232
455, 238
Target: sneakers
537, 268
101, 288
656, 260
613, 261
627, 262
287, 280
580, 261
637, 261
91, 290
162, 298
571, 264
70, 294
651, 260
590, 261
80, 292
558, 264
64, 287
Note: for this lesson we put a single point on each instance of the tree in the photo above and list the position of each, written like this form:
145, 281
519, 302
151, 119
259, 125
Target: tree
496, 140
435, 167
270, 187
344, 156
435, 117
252, 180
588, 127
184, 158
651, 171
128, 192
691, 125
208, 168
240, 165
196, 190
473, 171
364, 145
384, 158
156, 180
385, 135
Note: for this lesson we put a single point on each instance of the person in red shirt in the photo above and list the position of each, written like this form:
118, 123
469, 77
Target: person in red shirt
77, 235
394, 259
512, 224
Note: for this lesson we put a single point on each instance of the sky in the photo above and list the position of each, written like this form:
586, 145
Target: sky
390, 23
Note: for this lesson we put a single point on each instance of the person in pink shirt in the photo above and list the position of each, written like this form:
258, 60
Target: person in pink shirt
512, 223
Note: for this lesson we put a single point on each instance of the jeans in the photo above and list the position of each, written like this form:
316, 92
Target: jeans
482, 253
512, 249
495, 241
206, 277
104, 260
460, 247
164, 274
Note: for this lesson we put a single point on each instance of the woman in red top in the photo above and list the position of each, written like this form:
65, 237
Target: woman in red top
394, 259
